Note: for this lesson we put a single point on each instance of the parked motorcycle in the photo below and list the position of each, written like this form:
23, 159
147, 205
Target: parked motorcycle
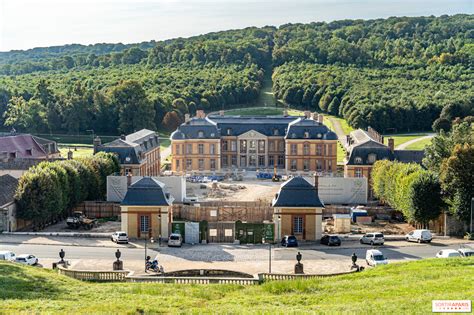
152, 265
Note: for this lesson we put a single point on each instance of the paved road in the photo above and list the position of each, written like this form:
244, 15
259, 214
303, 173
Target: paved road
403, 146
216, 252
339, 132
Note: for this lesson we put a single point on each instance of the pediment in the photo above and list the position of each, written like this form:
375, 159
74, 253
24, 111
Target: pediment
252, 134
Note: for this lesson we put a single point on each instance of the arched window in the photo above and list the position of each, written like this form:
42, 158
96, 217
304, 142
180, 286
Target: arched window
372, 158
358, 160
200, 134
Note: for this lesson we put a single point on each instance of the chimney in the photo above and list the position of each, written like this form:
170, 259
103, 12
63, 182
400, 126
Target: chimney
200, 114
69, 154
316, 180
221, 113
129, 179
307, 114
97, 143
122, 136
391, 144
320, 118
186, 118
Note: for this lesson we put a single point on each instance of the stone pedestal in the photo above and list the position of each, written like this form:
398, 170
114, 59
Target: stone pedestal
118, 265
299, 269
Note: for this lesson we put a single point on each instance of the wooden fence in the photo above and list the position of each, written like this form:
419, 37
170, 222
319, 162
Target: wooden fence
99, 209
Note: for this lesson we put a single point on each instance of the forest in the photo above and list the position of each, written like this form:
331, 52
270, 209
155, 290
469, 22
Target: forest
396, 75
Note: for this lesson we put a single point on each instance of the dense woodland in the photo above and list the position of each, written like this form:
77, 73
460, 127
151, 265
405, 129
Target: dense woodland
396, 74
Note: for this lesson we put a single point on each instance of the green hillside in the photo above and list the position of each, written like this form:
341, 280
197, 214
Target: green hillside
398, 289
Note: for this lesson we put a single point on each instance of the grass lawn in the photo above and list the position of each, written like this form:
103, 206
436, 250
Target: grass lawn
420, 145
77, 151
399, 288
402, 138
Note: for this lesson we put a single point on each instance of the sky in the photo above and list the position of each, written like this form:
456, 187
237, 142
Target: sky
26, 24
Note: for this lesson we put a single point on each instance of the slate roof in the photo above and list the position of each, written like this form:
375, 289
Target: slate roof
8, 186
131, 149
192, 128
315, 130
216, 126
27, 146
382, 152
146, 192
297, 192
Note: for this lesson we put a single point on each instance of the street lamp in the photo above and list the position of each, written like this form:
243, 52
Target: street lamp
269, 254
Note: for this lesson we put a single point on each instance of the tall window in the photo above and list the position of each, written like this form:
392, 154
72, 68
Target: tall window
177, 165
306, 149
201, 164
243, 161
252, 161
189, 164
213, 164
319, 149
297, 225
271, 160
261, 146
189, 148
293, 149
144, 224
293, 165
212, 149
306, 165
233, 145
329, 166
224, 161
319, 165
358, 172
261, 160
271, 146
243, 146
234, 160
224, 145
281, 145
177, 149
201, 148
252, 145
281, 160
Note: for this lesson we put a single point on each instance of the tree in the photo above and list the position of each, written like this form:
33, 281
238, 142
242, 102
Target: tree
425, 197
171, 121
457, 180
135, 110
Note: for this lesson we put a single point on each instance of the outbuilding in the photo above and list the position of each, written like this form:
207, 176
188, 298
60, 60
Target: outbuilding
146, 210
297, 210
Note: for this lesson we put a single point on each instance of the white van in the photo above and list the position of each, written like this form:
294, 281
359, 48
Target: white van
374, 257
175, 240
7, 255
419, 236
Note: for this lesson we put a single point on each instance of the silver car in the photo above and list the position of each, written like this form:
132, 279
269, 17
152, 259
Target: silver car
372, 239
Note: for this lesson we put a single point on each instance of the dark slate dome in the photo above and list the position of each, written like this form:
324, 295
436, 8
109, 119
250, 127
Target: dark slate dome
297, 192
146, 192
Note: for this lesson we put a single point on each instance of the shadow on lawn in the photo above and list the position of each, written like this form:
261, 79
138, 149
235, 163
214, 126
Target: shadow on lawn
17, 282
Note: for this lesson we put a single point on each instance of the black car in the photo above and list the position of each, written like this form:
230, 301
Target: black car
331, 240
289, 241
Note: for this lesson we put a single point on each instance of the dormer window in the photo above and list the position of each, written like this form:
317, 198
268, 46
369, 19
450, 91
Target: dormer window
200, 134
213, 134
275, 132
371, 158
29, 152
306, 134
358, 160
293, 135
229, 131
319, 135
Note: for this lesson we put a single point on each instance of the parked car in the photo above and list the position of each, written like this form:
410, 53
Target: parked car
289, 241
372, 239
466, 252
331, 240
374, 257
27, 259
175, 240
7, 255
119, 237
448, 253
419, 236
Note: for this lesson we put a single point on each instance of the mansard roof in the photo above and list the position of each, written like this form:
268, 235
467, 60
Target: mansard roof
297, 192
146, 192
